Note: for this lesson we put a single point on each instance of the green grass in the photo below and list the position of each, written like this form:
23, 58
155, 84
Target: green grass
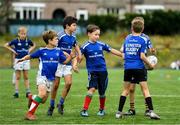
163, 84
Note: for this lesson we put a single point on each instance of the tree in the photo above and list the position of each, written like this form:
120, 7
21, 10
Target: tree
5, 11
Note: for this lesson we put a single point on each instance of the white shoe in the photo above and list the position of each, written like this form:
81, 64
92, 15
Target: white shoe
154, 115
119, 114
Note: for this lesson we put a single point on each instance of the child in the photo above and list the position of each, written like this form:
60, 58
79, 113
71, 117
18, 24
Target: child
149, 47
134, 55
96, 67
21, 46
67, 41
49, 57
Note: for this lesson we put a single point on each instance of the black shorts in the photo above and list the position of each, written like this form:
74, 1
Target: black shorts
135, 75
98, 80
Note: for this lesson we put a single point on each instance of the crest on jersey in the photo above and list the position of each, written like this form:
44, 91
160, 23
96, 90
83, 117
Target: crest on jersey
19, 44
44, 54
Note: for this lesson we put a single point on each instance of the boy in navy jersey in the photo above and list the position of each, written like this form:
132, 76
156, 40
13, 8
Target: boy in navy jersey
149, 47
21, 46
49, 58
67, 41
134, 70
96, 67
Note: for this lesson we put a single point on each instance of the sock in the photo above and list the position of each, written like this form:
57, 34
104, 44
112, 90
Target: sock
16, 91
28, 90
122, 101
132, 105
87, 101
102, 100
149, 103
35, 103
52, 102
146, 106
61, 101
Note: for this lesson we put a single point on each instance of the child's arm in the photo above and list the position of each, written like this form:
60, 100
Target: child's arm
9, 48
144, 58
27, 57
69, 57
79, 57
32, 48
116, 52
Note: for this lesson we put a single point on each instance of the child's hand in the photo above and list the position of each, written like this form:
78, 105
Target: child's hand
79, 58
75, 68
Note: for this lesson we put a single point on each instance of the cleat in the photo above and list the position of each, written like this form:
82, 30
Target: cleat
147, 113
154, 115
130, 112
84, 113
101, 112
27, 94
60, 108
119, 114
50, 111
30, 116
16, 95
29, 100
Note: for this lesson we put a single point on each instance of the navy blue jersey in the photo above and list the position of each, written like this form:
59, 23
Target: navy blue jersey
66, 42
133, 46
93, 52
21, 47
49, 59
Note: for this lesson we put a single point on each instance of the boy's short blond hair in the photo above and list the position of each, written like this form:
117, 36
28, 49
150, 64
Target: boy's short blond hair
137, 24
138, 18
48, 35
22, 29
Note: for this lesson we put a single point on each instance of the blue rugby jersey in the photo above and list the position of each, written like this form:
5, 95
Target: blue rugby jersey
66, 42
133, 46
49, 59
148, 42
21, 47
93, 52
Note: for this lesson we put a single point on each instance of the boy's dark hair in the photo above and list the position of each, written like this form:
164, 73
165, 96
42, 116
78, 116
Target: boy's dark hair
48, 35
138, 26
68, 21
91, 28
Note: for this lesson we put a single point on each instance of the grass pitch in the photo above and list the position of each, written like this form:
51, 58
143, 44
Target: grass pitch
164, 87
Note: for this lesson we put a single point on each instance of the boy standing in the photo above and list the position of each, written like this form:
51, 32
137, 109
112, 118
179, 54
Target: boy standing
134, 58
149, 48
21, 46
96, 67
49, 58
67, 41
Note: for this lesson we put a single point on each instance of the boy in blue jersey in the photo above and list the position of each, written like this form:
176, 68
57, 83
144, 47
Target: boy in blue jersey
67, 41
134, 70
96, 67
21, 46
149, 48
49, 58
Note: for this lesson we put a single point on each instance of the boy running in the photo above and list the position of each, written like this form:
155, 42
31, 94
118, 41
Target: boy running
67, 41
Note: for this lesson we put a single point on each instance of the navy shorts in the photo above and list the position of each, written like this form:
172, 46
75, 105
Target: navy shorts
98, 80
135, 75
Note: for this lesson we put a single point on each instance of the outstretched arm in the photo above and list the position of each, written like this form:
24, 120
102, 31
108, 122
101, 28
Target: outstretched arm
27, 57
116, 52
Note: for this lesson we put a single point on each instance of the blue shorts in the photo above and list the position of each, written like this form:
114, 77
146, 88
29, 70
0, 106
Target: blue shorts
98, 80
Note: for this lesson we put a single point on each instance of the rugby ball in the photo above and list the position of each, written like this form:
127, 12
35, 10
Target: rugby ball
152, 59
